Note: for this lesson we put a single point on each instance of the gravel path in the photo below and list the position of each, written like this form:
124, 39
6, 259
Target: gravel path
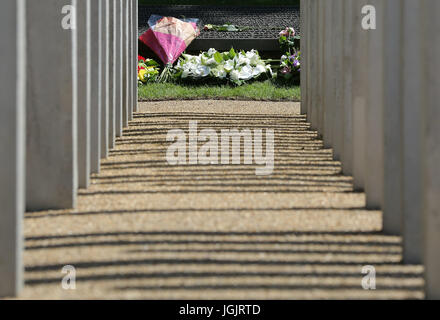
146, 229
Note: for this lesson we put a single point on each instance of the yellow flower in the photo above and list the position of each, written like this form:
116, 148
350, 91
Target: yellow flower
142, 75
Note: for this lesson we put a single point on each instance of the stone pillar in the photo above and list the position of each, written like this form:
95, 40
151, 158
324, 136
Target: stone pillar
12, 126
337, 79
112, 77
392, 206
130, 55
84, 91
313, 66
125, 67
431, 148
304, 53
135, 53
360, 61
328, 74
320, 73
51, 120
105, 97
118, 68
347, 68
96, 85
412, 64
374, 177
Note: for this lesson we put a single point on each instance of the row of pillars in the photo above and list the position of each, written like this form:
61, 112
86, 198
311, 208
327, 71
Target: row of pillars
370, 84
68, 86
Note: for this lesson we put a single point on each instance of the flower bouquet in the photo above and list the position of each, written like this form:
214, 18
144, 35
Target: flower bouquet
148, 70
168, 37
231, 66
287, 40
290, 68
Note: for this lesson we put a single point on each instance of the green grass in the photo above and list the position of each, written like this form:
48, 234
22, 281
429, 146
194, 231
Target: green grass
266, 91
220, 2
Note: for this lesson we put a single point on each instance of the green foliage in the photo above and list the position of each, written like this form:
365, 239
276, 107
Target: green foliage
264, 91
227, 27
148, 70
218, 57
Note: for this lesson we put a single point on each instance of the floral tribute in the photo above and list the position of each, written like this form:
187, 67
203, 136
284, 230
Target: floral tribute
227, 27
235, 67
168, 37
290, 65
148, 70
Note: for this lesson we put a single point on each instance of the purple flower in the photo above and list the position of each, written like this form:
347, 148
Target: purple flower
288, 32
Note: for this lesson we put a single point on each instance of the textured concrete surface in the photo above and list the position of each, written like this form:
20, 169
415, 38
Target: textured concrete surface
119, 69
134, 11
51, 108
270, 20
393, 114
145, 229
431, 114
412, 123
347, 65
359, 93
105, 67
374, 171
12, 144
96, 84
112, 74
84, 73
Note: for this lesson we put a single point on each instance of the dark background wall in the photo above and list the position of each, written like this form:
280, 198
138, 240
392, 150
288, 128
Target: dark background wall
221, 2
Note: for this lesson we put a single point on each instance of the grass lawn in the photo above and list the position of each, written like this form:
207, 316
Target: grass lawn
266, 91
221, 2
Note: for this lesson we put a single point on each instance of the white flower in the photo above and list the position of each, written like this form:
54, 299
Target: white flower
259, 69
268, 68
219, 72
229, 65
245, 73
251, 54
242, 60
243, 67
196, 59
202, 71
211, 61
211, 52
253, 57
203, 59
189, 67
234, 75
